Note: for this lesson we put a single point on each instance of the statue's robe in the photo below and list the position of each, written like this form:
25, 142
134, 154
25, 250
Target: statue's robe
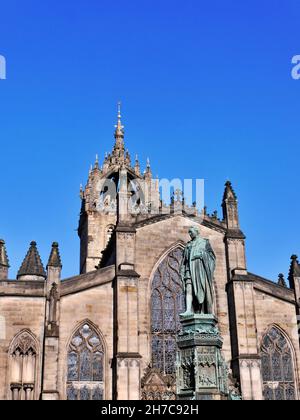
198, 264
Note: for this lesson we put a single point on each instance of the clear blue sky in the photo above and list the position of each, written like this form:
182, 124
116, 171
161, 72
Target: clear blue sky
207, 93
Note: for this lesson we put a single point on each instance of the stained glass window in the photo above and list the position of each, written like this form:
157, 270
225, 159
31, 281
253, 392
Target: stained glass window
277, 367
167, 302
85, 365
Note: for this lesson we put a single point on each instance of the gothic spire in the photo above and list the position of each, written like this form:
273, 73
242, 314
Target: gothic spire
118, 154
230, 207
229, 193
148, 172
54, 259
3, 255
32, 264
295, 268
96, 166
119, 132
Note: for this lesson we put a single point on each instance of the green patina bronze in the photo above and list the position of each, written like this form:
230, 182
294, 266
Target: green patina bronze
197, 272
201, 370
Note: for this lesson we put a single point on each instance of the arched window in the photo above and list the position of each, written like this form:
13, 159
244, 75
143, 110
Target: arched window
277, 367
23, 359
167, 303
85, 365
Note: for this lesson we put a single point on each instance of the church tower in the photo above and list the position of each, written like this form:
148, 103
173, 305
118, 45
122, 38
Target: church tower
115, 193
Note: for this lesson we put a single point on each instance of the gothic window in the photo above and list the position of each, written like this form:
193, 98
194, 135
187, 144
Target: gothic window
85, 380
277, 367
23, 359
167, 302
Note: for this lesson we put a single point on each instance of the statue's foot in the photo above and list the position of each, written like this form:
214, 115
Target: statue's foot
186, 314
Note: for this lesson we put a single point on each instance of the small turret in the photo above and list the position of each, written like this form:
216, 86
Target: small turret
230, 207
32, 267
234, 238
294, 274
54, 259
4, 263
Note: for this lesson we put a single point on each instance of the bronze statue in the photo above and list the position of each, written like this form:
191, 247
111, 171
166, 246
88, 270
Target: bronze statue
197, 272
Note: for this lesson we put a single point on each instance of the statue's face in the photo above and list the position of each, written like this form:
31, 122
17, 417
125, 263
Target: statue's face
193, 233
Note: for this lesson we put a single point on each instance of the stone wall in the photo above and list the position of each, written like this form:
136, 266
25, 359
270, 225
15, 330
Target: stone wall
19, 313
153, 243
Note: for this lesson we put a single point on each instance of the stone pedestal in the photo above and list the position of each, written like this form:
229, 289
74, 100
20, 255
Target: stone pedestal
202, 373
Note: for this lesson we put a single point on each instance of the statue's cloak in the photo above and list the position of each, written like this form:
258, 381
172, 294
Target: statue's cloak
200, 261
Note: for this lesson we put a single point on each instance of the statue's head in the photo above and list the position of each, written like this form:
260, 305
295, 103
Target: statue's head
193, 232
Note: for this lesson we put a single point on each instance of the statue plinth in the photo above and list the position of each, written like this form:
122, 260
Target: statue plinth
202, 372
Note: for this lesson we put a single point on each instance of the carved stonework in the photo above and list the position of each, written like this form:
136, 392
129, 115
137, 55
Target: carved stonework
23, 367
157, 386
202, 372
52, 329
24, 344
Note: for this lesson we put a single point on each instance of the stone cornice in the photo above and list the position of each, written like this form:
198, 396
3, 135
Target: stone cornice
128, 356
22, 288
128, 273
265, 286
234, 234
162, 217
87, 281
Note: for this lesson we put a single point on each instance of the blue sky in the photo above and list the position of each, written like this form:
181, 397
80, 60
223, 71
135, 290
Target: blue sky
207, 93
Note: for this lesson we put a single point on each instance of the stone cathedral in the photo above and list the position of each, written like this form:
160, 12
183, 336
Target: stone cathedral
110, 332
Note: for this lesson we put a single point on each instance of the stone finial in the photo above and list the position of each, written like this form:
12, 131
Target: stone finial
229, 192
127, 158
54, 259
214, 215
148, 172
96, 166
32, 267
137, 167
3, 255
281, 281
230, 208
4, 263
295, 267
81, 192
119, 132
